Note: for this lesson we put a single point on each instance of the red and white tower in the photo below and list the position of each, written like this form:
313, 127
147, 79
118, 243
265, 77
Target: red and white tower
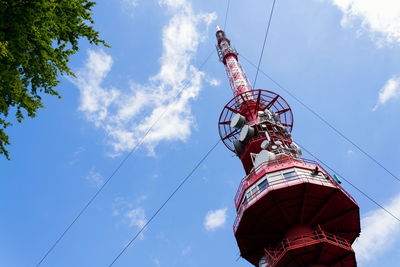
290, 211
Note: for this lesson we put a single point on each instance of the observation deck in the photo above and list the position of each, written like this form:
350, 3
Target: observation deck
290, 211
285, 193
316, 247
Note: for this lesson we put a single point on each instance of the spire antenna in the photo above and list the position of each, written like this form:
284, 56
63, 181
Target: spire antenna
290, 210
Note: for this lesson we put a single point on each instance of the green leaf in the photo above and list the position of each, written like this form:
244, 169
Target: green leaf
37, 38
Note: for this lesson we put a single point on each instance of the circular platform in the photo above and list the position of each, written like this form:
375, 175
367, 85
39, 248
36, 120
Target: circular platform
248, 104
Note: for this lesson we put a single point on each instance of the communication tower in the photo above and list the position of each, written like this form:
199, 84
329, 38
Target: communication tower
290, 211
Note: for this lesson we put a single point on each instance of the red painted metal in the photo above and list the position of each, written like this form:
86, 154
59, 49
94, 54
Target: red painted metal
332, 250
290, 183
290, 211
260, 100
282, 164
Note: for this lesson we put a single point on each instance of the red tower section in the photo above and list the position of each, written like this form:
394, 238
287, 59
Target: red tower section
290, 211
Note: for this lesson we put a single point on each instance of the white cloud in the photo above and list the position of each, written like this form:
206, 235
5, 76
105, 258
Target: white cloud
379, 232
126, 115
390, 90
130, 212
381, 18
95, 178
215, 219
172, 3
136, 217
76, 155
214, 82
349, 152
121, 204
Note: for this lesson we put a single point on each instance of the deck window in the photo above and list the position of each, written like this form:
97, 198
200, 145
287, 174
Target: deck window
290, 175
263, 185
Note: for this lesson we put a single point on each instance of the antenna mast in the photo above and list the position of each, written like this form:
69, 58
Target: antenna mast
290, 211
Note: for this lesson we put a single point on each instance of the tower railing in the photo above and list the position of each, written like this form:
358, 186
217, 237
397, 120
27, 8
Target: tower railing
273, 256
281, 163
281, 183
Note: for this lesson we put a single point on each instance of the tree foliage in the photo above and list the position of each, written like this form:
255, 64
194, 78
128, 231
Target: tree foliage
37, 37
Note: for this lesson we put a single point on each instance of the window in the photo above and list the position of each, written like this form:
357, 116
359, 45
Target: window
263, 185
290, 175
254, 192
245, 201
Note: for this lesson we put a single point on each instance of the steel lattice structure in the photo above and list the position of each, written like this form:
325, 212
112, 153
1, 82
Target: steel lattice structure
290, 211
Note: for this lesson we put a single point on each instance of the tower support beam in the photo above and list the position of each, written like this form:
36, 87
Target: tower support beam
290, 211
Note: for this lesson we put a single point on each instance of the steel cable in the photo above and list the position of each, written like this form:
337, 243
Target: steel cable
265, 40
351, 184
325, 121
226, 14
117, 168
166, 201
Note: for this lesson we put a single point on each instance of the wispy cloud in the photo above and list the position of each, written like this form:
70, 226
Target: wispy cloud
130, 213
75, 155
95, 178
136, 217
214, 82
215, 219
380, 18
120, 113
390, 90
379, 232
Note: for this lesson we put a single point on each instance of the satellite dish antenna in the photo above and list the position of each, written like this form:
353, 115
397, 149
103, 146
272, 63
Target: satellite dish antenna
263, 156
246, 133
264, 144
239, 147
275, 117
238, 121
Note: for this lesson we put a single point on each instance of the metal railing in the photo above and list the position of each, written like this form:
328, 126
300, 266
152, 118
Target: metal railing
280, 163
318, 236
276, 184
285, 182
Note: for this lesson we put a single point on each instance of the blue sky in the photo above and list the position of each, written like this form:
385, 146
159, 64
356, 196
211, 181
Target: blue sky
340, 57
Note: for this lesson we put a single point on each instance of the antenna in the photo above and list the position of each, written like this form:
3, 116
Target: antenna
290, 211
